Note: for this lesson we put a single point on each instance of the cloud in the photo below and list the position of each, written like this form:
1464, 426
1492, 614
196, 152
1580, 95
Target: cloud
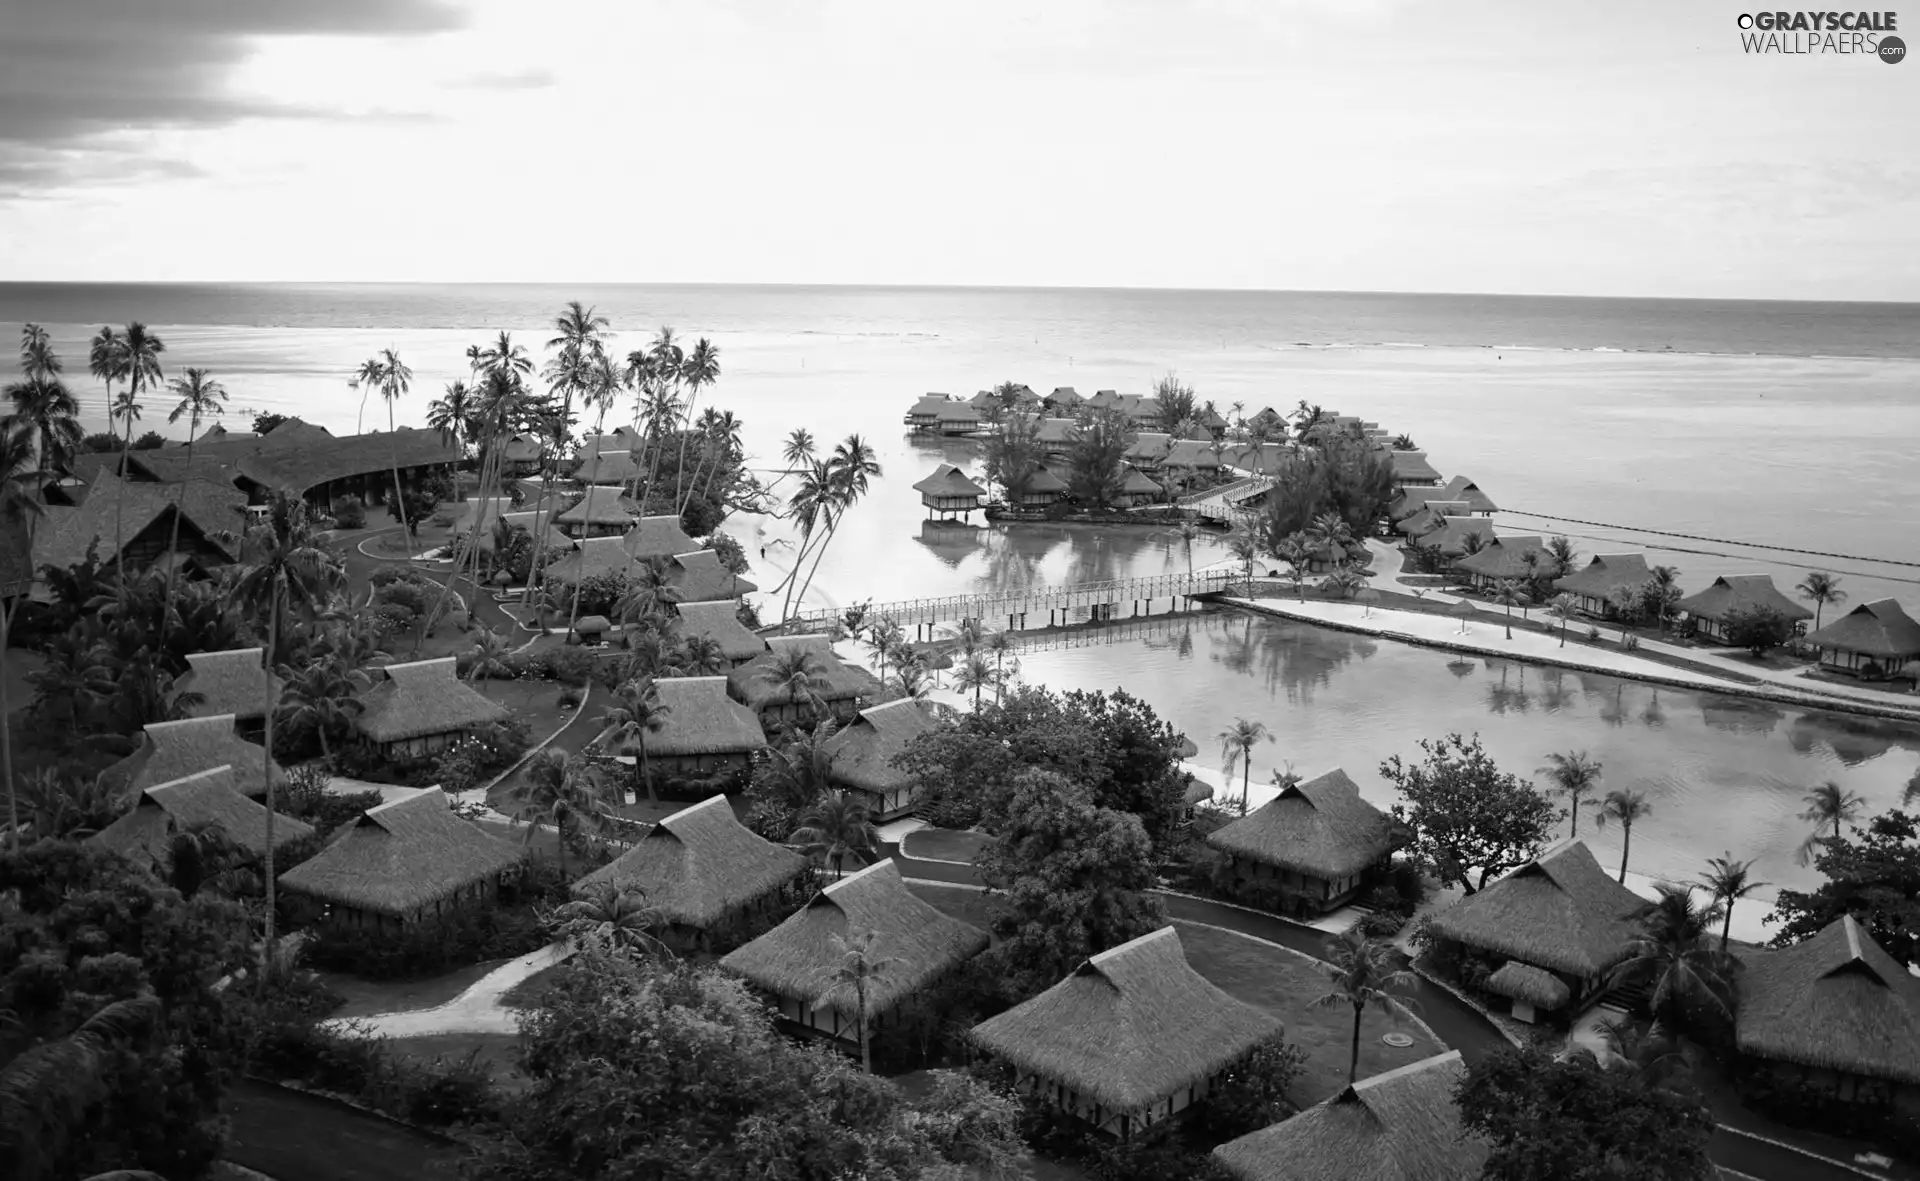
535, 79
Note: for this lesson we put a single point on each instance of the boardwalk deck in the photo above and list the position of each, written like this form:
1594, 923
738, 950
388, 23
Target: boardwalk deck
1039, 606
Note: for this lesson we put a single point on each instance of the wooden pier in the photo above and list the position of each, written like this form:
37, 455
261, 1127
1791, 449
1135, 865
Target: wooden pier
1039, 606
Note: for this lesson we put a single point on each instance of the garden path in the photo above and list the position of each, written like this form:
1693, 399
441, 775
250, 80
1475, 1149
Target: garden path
477, 1010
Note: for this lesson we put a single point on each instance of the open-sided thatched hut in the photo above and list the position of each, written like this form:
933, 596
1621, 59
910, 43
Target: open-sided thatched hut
233, 682
658, 537
1517, 558
1872, 639
704, 733
602, 512
1132, 1037
171, 751
408, 862
1736, 592
1318, 840
1398, 1126
421, 708
719, 621
793, 962
861, 755
145, 832
839, 688
949, 492
1593, 583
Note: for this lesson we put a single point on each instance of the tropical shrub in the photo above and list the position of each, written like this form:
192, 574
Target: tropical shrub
349, 512
1758, 629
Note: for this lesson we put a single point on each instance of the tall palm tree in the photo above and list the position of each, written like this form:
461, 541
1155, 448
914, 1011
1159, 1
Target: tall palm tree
800, 770
722, 446
200, 397
1188, 532
853, 466
19, 504
1820, 588
1563, 607
1673, 953
858, 969
795, 674
1573, 775
636, 712
1563, 554
43, 401
1001, 644
1828, 804
834, 827
700, 369
1727, 882
1297, 552
796, 451
1623, 806
395, 380
451, 414
561, 792
107, 361
1364, 972
1236, 750
1663, 591
976, 674
488, 658
885, 638
1245, 548
1509, 593
657, 378
816, 498
913, 681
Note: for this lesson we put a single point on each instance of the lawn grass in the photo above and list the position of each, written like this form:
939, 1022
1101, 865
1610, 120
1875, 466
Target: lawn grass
294, 1137
366, 998
499, 1052
528, 993
945, 844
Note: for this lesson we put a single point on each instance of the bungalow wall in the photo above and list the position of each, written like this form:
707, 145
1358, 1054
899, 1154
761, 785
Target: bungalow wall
340, 917
950, 504
883, 806
1845, 1086
920, 424
404, 751
578, 530
697, 766
1036, 499
1308, 890
1118, 1124
842, 710
1854, 662
828, 1023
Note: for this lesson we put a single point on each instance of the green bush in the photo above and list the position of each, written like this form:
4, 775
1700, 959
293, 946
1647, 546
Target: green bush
570, 666
401, 592
349, 512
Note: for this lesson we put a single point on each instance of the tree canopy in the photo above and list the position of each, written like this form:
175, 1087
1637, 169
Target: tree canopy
1873, 875
1468, 814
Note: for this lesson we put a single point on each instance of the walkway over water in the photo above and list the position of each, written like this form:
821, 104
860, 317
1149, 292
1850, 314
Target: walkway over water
1223, 503
1043, 606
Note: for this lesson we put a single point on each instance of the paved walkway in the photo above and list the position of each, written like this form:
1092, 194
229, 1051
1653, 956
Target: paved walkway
477, 1010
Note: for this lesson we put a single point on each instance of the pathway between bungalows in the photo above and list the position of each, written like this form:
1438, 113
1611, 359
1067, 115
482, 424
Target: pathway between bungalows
476, 1010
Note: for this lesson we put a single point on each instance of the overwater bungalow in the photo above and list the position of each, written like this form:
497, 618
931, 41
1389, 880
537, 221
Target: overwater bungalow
144, 833
421, 708
706, 732
1148, 450
1518, 558
1041, 489
1411, 469
600, 512
1317, 840
1055, 436
860, 756
701, 577
719, 620
1138, 488
1132, 1037
956, 418
234, 682
839, 688
949, 492
613, 469
1457, 491
1873, 639
658, 537
1397, 1126
924, 418
1709, 609
700, 868
403, 864
1591, 585
794, 962
1552, 931
171, 751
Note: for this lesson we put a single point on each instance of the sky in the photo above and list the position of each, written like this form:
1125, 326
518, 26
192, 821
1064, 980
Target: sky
1617, 148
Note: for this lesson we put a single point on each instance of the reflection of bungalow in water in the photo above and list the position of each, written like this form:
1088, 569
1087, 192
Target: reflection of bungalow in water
421, 708
719, 620
1606, 573
1517, 558
1836, 1014
1736, 592
1411, 469
1317, 840
795, 961
145, 832
170, 751
1137, 487
1853, 740
601, 512
1132, 1037
1872, 639
1739, 714
1552, 931
861, 755
1039, 490
837, 685
233, 682
948, 491
951, 541
706, 732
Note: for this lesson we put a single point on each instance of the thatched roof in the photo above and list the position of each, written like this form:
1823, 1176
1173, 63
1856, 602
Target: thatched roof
1733, 591
1197, 790
1320, 827
482, 511
1262, 459
1194, 454
948, 480
861, 755
1411, 465
719, 620
1141, 408
298, 456
796, 958
1432, 515
1836, 1001
1506, 557
1524, 982
1558, 911
1129, 1027
608, 469
956, 413
1451, 538
523, 449
1880, 629
421, 698
232, 682
175, 750
600, 506
700, 577
702, 720
929, 406
613, 441
1606, 572
533, 521
837, 680
658, 537
1462, 489
1055, 432
1399, 1126
206, 797
209, 510
1042, 480
401, 856
1148, 445
1136, 482
1063, 396
700, 864
592, 557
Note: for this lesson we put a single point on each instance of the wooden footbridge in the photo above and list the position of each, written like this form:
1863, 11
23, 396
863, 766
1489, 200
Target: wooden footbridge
1041, 606
1223, 504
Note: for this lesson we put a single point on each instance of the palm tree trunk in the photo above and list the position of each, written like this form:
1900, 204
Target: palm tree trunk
173, 543
1246, 770
1626, 847
820, 554
646, 772
1563, 631
573, 613
1353, 1063
453, 576
686, 428
1509, 621
399, 498
1573, 816
6, 733
266, 770
866, 1050
120, 503
1726, 927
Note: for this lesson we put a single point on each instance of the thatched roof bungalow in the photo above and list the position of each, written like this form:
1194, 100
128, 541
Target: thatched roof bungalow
1063, 397
171, 751
403, 863
956, 418
1317, 839
1411, 469
142, 514
1736, 592
608, 469
838, 686
705, 733
1431, 516
925, 414
1592, 584
1451, 538
1038, 490
233, 682
1194, 455
860, 756
1458, 490
521, 454
1137, 487
1260, 459
1148, 450
793, 961
700, 577
145, 832
1873, 638
1133, 1036
602, 511
719, 620
1399, 1126
421, 708
949, 491
1506, 557
1055, 436
533, 521
592, 557
658, 537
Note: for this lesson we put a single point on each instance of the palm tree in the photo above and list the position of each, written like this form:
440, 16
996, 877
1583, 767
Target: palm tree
1236, 750
1828, 804
200, 397
914, 680
19, 503
1331, 532
1245, 548
488, 658
976, 674
1727, 882
884, 638
618, 918
395, 380
451, 414
106, 360
1625, 806
853, 466
800, 770
1297, 552
701, 368
1188, 532
1563, 607
1364, 972
794, 673
324, 695
857, 971
140, 367
44, 402
637, 711
561, 792
834, 827
1510, 594
1625, 601
1342, 583
1563, 554
1574, 775
1820, 588
1001, 643
53, 1086
1655, 1056
815, 499
1663, 590
1674, 954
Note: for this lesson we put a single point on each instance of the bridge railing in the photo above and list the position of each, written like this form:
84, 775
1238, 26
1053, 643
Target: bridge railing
991, 606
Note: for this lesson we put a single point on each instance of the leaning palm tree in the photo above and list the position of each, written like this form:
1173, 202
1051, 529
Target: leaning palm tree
636, 712
1573, 775
20, 478
487, 658
812, 507
976, 674
1673, 954
700, 368
853, 466
1727, 882
885, 638
1236, 750
834, 827
201, 397
1623, 806
140, 360
1509, 593
858, 970
1828, 804
1364, 973
395, 380
1188, 531
560, 792
1820, 588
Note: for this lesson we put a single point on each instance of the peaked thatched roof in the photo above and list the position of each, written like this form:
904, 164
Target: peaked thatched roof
1732, 591
700, 577
796, 958
837, 680
719, 620
1063, 397
658, 537
232, 682
206, 797
608, 469
1320, 827
1506, 557
956, 413
592, 557
1524, 982
1054, 432
1129, 1027
533, 521
421, 698
861, 755
929, 406
1432, 515
1880, 629
1042, 480
175, 750
209, 510
948, 480
1399, 1126
700, 864
702, 720
1194, 454
1134, 482
401, 856
1411, 465
612, 441
1836, 1001
1148, 445
1451, 538
600, 506
1558, 911
298, 456
1461, 488
1606, 572
482, 511
1262, 459
523, 449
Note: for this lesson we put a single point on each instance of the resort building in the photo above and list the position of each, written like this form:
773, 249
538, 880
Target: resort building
1258, 459
533, 521
705, 733
658, 537
619, 440
1148, 450
1592, 585
1134, 1036
481, 512
837, 687
1317, 840
1451, 538
700, 577
794, 962
1411, 469
1400, 1125
422, 708
1142, 411
205, 799
1063, 398
1873, 639
591, 557
609, 469
1517, 558
304, 460
235, 682
171, 751
1431, 516
949, 492
403, 864
1040, 490
1736, 592
860, 756
956, 418
139, 513
1194, 456
601, 512
1055, 436
1137, 487
719, 620
1834, 1013
1459, 491
699, 868
521, 455
1551, 931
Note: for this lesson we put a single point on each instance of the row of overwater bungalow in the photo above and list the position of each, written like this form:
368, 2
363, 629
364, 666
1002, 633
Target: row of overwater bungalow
948, 414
